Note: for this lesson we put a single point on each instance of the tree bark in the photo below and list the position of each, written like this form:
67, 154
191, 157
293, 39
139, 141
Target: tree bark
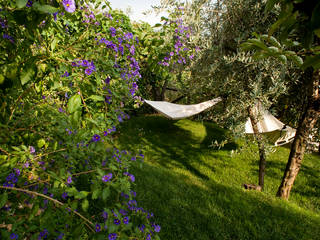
253, 115
306, 123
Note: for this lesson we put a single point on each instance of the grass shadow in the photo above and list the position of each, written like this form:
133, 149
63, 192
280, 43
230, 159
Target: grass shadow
173, 143
187, 209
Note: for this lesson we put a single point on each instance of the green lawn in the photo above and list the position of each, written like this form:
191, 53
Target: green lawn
195, 192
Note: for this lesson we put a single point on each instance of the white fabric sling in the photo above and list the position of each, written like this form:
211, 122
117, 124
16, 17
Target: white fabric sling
179, 111
277, 130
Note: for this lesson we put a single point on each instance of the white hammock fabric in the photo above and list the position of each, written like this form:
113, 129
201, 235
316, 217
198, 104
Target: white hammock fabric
280, 133
179, 111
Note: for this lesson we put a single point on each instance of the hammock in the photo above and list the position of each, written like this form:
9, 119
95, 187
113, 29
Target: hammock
275, 130
179, 111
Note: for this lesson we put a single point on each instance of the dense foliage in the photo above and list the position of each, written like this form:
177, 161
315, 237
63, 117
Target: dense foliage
68, 72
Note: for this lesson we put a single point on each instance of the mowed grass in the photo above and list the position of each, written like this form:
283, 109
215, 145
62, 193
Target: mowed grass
195, 191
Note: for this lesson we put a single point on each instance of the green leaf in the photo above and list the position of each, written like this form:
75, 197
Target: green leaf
26, 75
105, 193
41, 142
54, 43
85, 205
44, 8
313, 61
74, 103
282, 58
273, 49
3, 199
21, 3
96, 98
315, 18
270, 4
296, 59
258, 43
95, 194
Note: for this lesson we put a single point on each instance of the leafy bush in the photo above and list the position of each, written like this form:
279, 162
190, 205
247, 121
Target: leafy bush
68, 72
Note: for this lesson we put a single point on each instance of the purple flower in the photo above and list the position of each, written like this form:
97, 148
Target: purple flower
18, 172
14, 236
60, 236
157, 228
120, 118
66, 74
55, 16
74, 64
29, 3
26, 165
121, 49
126, 220
32, 149
128, 36
123, 212
113, 31
88, 71
131, 177
105, 133
132, 50
69, 180
142, 227
116, 221
148, 237
64, 195
43, 234
104, 214
106, 178
10, 177
98, 228
107, 81
85, 63
113, 236
133, 193
96, 138
92, 66
69, 5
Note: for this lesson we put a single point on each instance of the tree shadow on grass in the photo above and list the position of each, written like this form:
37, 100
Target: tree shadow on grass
171, 143
187, 209
219, 134
306, 188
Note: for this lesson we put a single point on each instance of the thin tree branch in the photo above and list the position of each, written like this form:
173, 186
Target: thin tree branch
53, 200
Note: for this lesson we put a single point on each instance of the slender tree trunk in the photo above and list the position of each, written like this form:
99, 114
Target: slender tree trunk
306, 123
253, 115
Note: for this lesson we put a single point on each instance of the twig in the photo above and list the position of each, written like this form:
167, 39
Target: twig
46, 154
84, 103
41, 181
2, 150
53, 200
19, 98
90, 171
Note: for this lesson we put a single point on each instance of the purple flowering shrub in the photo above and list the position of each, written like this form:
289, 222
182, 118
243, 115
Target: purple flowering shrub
166, 51
69, 74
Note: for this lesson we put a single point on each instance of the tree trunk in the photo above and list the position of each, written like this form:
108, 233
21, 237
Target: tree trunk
159, 92
306, 123
253, 115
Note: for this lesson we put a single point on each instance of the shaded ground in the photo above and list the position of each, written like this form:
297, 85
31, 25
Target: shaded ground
195, 191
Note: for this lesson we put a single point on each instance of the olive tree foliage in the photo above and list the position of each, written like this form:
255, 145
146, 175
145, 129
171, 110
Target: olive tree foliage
298, 23
223, 69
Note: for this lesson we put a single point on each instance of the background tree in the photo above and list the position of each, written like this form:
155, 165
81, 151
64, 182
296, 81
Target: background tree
298, 23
